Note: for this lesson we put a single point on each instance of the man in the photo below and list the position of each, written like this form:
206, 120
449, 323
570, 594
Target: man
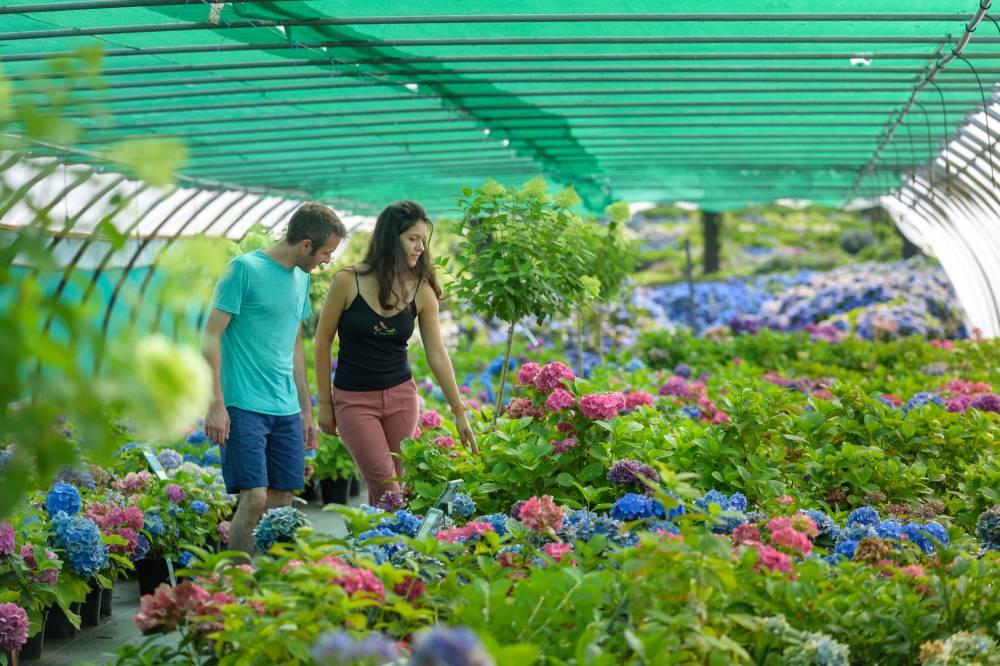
261, 414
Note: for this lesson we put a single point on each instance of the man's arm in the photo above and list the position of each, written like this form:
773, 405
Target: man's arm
302, 386
217, 419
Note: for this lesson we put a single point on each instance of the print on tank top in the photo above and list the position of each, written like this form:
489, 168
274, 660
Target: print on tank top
382, 330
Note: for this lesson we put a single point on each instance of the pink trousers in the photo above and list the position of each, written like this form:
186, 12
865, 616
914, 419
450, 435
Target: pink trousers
372, 424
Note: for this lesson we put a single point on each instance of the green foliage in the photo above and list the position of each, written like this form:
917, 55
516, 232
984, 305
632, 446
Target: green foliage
333, 460
520, 253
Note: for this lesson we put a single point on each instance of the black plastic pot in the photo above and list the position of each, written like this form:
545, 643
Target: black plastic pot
151, 573
107, 598
59, 625
33, 648
335, 491
90, 612
355, 486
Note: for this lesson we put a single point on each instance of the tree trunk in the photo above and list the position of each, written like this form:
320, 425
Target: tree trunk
503, 372
711, 225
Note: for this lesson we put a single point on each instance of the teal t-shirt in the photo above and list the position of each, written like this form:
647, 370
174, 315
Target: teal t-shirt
267, 301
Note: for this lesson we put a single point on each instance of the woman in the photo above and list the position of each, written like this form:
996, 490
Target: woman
372, 307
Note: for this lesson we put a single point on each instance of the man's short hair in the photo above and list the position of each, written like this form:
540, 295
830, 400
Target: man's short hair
315, 222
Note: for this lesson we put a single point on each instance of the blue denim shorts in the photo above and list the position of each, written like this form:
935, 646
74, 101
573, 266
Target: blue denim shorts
263, 451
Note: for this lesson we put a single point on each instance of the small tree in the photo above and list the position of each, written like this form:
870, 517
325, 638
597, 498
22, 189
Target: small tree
521, 255
614, 260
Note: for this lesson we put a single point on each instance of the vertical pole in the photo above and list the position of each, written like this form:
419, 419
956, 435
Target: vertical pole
579, 342
690, 282
503, 372
711, 224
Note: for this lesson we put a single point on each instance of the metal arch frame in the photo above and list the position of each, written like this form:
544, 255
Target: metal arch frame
447, 19
68, 271
268, 213
202, 108
452, 122
17, 195
71, 223
944, 217
170, 241
174, 93
930, 40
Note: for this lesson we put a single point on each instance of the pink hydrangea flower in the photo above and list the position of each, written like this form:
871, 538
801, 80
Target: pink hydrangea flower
134, 483
560, 446
792, 540
565, 427
471, 529
521, 407
637, 399
557, 551
786, 500
773, 560
445, 442
411, 587
6, 539
913, 571
354, 579
417, 432
746, 534
47, 577
224, 531
559, 400
430, 420
13, 627
779, 523
602, 406
526, 375
803, 523
541, 514
552, 376
175, 493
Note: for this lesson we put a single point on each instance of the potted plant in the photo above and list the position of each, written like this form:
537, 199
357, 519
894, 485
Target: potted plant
334, 467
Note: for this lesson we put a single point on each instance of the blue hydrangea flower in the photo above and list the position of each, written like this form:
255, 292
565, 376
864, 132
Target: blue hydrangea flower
128, 447
213, 458
311, 453
665, 526
920, 535
448, 646
738, 502
80, 540
199, 507
499, 522
889, 529
865, 516
63, 497
463, 505
5, 457
734, 504
153, 523
846, 548
175, 511
142, 547
824, 523
634, 364
633, 507
196, 437
923, 398
691, 412
192, 458
338, 647
610, 529
575, 522
401, 522
278, 524
885, 401
857, 533
170, 459
185, 558
79, 477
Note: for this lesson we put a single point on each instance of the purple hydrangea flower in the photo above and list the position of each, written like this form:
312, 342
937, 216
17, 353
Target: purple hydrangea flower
175, 493
626, 471
988, 402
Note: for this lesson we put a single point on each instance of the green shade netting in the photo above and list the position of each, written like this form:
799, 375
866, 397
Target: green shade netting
724, 113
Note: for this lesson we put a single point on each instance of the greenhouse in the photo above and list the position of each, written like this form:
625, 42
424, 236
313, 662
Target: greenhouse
499, 334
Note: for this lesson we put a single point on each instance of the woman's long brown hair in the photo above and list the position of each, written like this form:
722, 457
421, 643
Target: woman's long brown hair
385, 257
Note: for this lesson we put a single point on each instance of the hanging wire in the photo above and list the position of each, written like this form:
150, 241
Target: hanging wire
986, 112
947, 142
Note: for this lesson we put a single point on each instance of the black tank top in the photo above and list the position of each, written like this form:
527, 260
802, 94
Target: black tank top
372, 353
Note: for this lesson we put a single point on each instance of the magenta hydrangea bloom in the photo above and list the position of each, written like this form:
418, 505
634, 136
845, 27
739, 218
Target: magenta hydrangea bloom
773, 560
559, 400
602, 406
6, 539
526, 375
552, 376
430, 420
637, 399
560, 446
13, 627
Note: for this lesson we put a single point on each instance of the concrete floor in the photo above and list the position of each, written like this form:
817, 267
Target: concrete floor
98, 645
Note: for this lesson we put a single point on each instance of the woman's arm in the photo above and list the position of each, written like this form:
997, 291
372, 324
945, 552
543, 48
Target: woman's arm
326, 330
437, 358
